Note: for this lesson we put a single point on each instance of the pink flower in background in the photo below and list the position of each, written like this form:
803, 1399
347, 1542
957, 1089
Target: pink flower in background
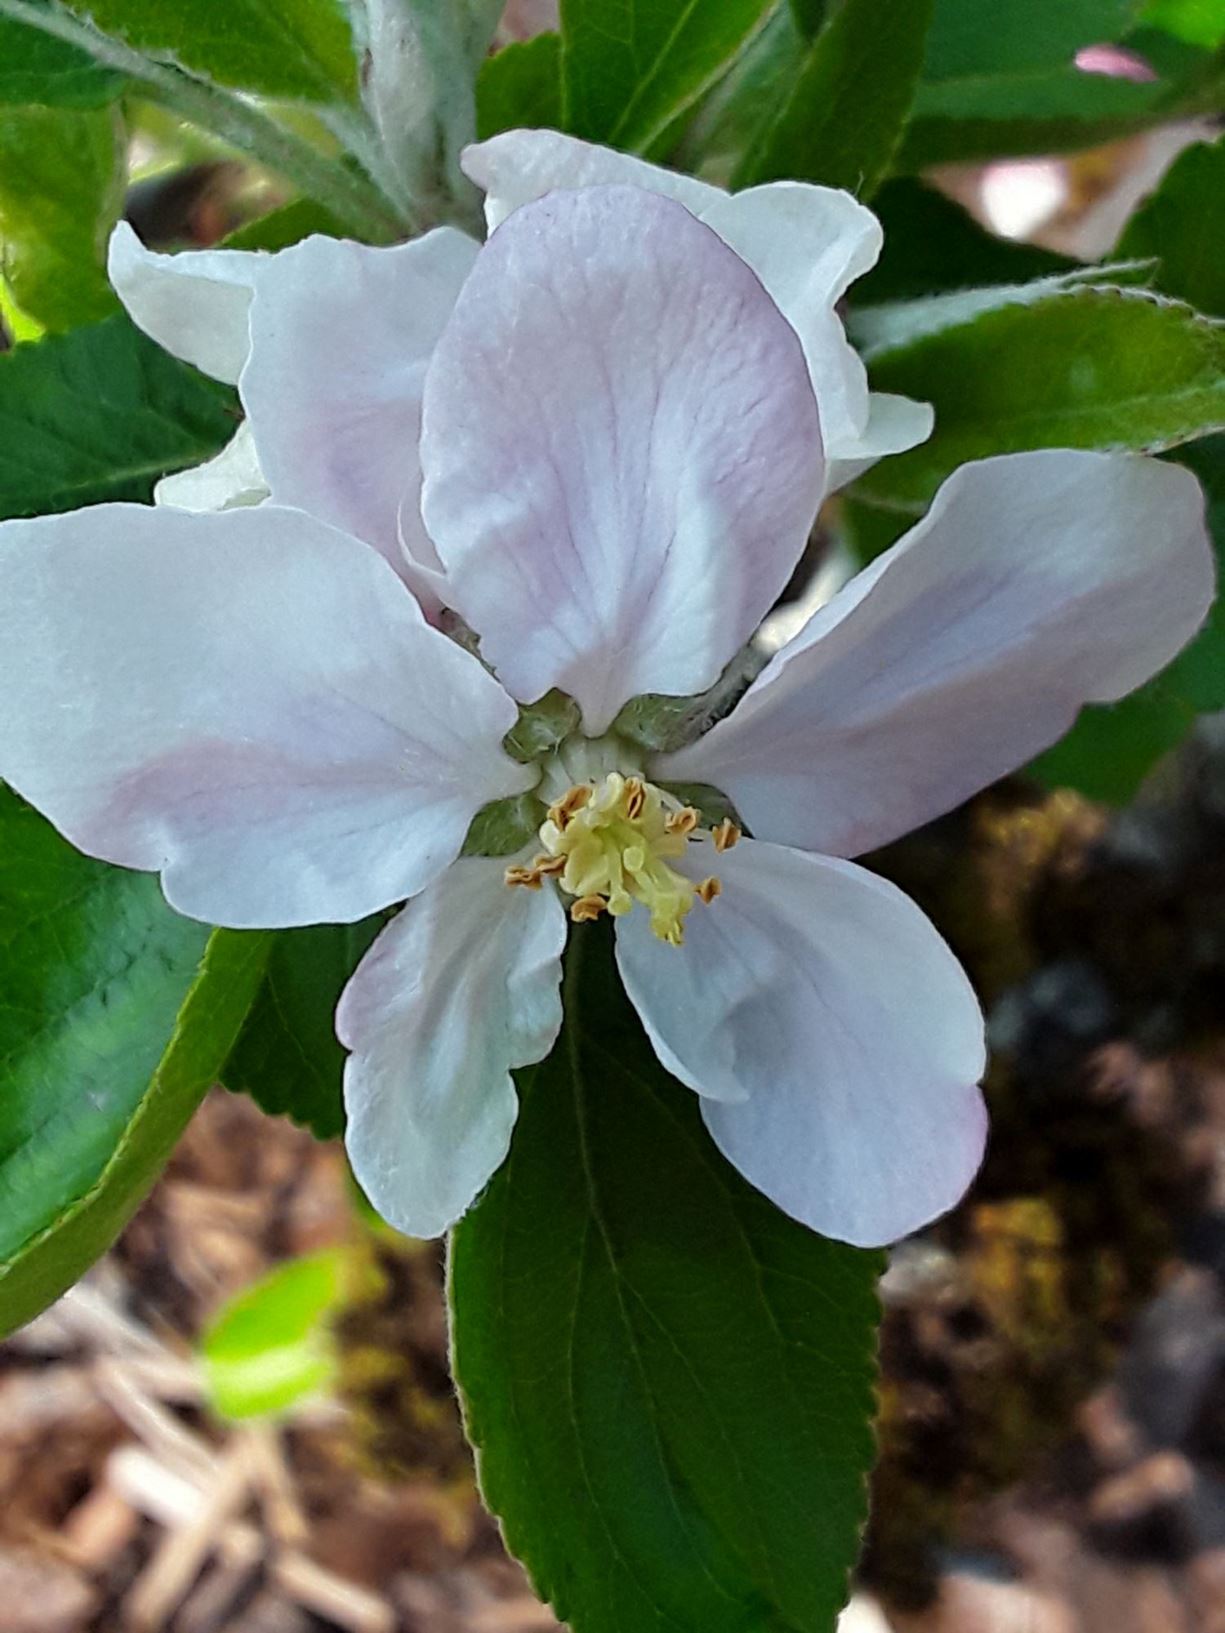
600, 441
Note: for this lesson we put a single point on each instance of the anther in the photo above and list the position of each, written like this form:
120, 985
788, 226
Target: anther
529, 878
587, 908
570, 804
708, 890
635, 798
682, 822
726, 835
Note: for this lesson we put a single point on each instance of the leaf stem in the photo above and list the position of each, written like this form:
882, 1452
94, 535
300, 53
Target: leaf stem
239, 122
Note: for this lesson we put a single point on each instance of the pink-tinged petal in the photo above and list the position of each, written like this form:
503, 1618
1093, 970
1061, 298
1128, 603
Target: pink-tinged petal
195, 303
1036, 583
835, 1040
807, 245
229, 480
247, 701
519, 166
621, 450
459, 989
340, 338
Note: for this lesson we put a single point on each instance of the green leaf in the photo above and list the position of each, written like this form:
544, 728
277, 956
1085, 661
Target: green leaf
286, 1056
117, 1016
101, 413
810, 15
272, 1347
1182, 225
1080, 368
285, 226
629, 67
1199, 22
1109, 750
843, 120
299, 49
970, 40
36, 67
62, 175
519, 88
1000, 80
668, 1382
932, 244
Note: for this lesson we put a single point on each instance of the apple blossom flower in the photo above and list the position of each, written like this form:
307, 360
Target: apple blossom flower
618, 461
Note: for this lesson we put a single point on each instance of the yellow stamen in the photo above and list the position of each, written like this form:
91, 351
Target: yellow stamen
726, 835
683, 821
587, 908
570, 804
609, 845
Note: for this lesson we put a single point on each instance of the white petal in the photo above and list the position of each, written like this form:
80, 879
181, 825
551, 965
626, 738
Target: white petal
195, 303
1036, 583
894, 425
230, 480
807, 245
247, 701
522, 165
340, 337
621, 451
834, 1038
460, 988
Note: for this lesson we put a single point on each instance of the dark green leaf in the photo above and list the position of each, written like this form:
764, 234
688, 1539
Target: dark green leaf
669, 1383
735, 114
286, 48
1109, 750
844, 117
1080, 368
810, 15
970, 40
1183, 226
62, 174
117, 1016
272, 1347
629, 67
100, 414
519, 88
283, 227
932, 244
287, 1057
35, 67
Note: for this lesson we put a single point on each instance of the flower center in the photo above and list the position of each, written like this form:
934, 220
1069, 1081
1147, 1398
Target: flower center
608, 844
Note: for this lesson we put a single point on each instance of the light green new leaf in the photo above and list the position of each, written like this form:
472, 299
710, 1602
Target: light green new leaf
36, 67
299, 49
519, 88
844, 117
287, 1057
668, 1382
271, 1347
1182, 226
117, 1015
629, 67
1199, 22
1083, 367
62, 175
101, 413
